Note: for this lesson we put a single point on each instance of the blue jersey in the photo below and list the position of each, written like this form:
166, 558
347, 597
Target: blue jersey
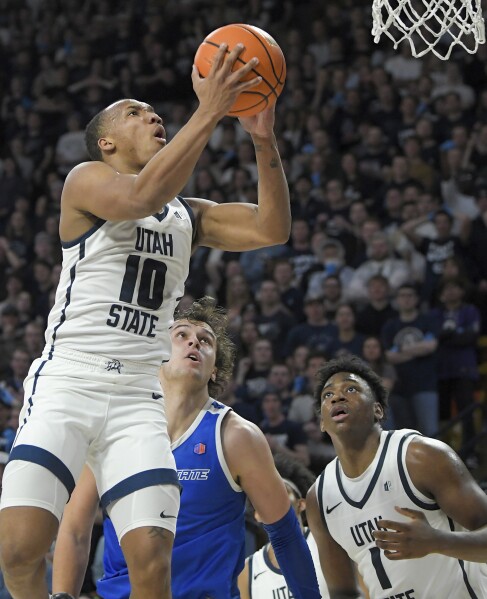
208, 551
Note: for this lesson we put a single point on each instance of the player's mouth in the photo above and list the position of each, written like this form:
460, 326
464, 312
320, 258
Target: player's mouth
194, 356
160, 134
339, 413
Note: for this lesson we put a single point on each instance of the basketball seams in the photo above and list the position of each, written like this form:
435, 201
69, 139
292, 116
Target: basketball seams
269, 55
239, 60
272, 65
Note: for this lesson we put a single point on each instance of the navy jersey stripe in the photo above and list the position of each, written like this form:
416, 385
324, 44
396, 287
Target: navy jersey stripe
141, 480
69, 244
360, 504
404, 480
190, 214
37, 455
72, 274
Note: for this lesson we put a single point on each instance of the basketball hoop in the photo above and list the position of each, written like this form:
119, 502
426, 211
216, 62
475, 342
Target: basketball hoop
430, 25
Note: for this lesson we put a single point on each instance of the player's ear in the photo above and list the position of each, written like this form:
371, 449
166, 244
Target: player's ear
378, 411
213, 375
106, 144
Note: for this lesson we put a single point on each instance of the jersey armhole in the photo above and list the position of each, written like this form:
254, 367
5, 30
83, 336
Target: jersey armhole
221, 456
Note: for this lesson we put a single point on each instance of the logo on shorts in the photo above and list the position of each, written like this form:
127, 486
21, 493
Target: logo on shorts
163, 515
114, 365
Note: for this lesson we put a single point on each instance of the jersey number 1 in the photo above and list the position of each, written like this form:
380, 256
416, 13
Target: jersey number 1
379, 568
151, 285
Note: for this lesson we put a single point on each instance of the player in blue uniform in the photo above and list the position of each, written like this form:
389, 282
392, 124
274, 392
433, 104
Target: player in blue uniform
221, 459
125, 259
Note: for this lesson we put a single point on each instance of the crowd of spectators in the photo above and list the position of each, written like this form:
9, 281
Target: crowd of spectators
386, 161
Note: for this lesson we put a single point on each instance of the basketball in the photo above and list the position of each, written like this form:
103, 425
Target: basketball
271, 67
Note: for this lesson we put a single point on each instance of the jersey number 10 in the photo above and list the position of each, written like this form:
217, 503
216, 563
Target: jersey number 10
151, 285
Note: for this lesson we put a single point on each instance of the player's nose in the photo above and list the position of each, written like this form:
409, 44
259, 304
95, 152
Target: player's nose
155, 118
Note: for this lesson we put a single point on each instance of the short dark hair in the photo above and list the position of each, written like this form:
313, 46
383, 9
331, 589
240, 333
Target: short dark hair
358, 367
205, 310
94, 130
293, 470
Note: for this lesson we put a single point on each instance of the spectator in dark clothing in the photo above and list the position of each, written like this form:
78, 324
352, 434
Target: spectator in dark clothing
7, 433
436, 251
457, 358
273, 319
378, 309
348, 341
316, 333
252, 372
477, 252
283, 435
410, 341
291, 296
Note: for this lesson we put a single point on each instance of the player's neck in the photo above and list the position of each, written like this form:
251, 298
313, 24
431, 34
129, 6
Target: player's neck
123, 166
357, 453
182, 406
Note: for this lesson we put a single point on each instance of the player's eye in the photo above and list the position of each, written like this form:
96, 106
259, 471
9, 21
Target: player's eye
133, 112
352, 388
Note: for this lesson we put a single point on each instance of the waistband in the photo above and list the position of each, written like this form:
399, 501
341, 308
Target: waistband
105, 364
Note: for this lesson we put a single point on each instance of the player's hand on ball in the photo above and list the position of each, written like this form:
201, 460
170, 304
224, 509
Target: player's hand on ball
407, 540
218, 91
261, 124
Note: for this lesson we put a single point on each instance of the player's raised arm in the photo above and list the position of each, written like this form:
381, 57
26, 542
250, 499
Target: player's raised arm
438, 472
241, 226
250, 462
74, 537
129, 137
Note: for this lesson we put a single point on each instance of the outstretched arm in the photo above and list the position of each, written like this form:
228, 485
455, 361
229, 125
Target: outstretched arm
337, 567
73, 541
97, 189
250, 462
241, 226
438, 472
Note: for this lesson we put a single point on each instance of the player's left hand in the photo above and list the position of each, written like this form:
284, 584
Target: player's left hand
406, 540
261, 124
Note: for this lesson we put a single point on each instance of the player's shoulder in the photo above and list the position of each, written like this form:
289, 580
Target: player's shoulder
240, 433
86, 174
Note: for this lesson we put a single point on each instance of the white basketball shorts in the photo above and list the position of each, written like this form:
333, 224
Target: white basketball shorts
84, 408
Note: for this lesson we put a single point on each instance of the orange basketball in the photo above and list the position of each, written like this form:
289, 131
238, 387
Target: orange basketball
271, 67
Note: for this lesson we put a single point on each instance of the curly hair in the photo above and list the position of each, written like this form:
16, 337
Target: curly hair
355, 366
205, 310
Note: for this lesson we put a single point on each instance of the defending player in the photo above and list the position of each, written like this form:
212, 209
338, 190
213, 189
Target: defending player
392, 495
127, 242
262, 578
221, 459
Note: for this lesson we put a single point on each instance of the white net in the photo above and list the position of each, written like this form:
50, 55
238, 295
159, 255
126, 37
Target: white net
430, 25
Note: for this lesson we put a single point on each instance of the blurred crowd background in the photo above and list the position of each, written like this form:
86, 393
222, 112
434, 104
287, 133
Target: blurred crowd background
385, 156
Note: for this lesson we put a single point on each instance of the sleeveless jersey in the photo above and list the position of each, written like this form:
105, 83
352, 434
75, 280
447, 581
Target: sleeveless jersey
209, 547
351, 508
119, 285
266, 581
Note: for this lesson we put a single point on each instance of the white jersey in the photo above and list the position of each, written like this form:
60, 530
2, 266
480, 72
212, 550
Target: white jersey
266, 581
351, 508
119, 286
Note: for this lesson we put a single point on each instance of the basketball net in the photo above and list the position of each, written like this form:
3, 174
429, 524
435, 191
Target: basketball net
430, 25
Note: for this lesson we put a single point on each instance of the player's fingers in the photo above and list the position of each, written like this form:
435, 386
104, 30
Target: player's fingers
394, 555
407, 511
391, 525
245, 85
384, 535
218, 59
232, 58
